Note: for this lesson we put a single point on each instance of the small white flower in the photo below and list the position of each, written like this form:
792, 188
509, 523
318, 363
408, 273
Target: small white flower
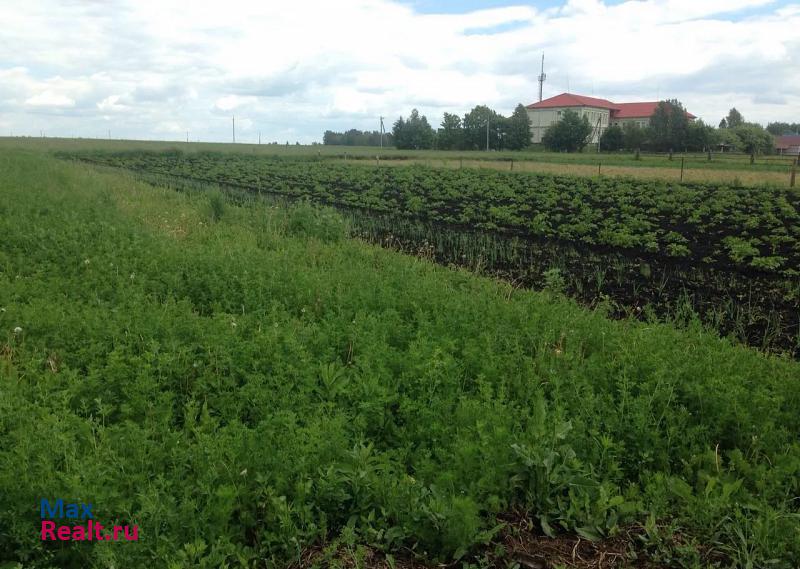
133, 276
303, 310
17, 330
86, 261
233, 324
2, 310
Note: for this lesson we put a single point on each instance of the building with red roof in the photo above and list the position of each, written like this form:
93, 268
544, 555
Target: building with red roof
788, 144
600, 112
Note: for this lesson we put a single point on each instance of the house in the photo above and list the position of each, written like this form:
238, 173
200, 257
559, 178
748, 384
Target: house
600, 112
788, 144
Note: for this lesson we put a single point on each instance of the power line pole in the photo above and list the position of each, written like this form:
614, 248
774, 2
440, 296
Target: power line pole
187, 137
487, 133
259, 137
233, 128
382, 131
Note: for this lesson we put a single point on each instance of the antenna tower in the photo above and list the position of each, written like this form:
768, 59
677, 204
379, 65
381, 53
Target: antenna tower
542, 77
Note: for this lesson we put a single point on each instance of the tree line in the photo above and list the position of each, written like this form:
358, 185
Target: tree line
354, 137
470, 132
481, 128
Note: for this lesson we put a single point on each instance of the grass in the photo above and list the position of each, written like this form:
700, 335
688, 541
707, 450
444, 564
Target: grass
244, 383
611, 168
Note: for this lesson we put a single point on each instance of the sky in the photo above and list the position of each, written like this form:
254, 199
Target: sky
291, 70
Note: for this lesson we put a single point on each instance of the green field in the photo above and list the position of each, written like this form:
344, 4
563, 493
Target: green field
255, 389
728, 254
725, 168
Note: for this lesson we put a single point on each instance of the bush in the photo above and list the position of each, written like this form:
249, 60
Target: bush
570, 134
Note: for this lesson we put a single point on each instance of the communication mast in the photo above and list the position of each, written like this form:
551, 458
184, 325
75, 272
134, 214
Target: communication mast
542, 77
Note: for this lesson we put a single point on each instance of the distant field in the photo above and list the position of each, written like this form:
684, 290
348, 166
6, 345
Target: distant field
723, 168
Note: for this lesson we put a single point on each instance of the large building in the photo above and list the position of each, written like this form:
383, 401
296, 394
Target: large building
600, 112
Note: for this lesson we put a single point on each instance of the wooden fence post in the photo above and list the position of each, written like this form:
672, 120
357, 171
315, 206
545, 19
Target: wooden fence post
598, 168
794, 171
681, 168
512, 164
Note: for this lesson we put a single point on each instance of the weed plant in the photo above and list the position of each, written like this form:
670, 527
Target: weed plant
247, 388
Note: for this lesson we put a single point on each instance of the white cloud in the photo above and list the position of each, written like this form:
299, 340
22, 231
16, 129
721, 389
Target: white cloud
293, 70
50, 99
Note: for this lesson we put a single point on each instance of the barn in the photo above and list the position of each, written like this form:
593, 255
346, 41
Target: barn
788, 144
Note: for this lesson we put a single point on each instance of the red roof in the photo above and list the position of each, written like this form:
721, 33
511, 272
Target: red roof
570, 100
787, 140
635, 110
618, 110
639, 110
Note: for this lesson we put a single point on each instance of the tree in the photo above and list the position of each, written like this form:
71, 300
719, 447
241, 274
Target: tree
734, 118
723, 123
634, 136
414, 133
518, 130
668, 125
699, 136
474, 124
726, 137
753, 139
612, 139
569, 134
781, 128
451, 133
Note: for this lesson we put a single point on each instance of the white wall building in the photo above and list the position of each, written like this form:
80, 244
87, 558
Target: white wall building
600, 112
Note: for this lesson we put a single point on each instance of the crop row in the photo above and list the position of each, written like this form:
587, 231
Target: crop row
749, 229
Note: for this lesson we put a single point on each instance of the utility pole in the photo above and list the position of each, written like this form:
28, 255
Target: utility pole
259, 137
382, 131
187, 137
542, 77
233, 127
487, 133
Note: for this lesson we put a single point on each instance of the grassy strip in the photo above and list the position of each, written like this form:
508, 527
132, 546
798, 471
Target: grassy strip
246, 382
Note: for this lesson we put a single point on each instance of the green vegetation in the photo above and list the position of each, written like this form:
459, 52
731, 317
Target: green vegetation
243, 382
354, 137
413, 133
646, 217
570, 134
470, 133
781, 128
